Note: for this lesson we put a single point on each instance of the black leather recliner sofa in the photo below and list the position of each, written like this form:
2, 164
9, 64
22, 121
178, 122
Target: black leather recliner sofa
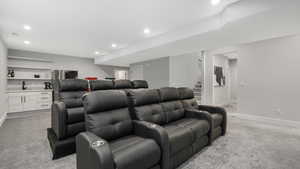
117, 84
67, 117
188, 130
218, 114
114, 141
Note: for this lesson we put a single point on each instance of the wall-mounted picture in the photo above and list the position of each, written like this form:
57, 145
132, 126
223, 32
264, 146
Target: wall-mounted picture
219, 77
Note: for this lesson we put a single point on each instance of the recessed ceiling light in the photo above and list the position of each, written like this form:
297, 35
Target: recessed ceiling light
215, 2
146, 31
97, 53
27, 27
27, 42
114, 45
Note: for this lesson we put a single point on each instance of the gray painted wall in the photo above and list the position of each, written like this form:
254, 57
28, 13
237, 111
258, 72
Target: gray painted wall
156, 72
85, 66
185, 70
269, 78
3, 81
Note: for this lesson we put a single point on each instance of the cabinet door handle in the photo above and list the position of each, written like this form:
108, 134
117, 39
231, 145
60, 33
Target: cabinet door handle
25, 99
21, 99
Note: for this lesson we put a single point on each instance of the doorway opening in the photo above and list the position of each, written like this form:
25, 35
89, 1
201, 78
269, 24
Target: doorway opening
225, 80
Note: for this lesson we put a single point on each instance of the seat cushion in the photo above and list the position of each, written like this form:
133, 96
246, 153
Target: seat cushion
133, 152
180, 137
199, 127
75, 115
217, 119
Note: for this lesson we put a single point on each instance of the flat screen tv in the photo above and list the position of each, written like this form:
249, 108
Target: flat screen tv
71, 74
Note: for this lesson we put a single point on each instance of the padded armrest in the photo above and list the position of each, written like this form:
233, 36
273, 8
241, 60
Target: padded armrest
212, 109
202, 115
219, 110
156, 132
93, 152
58, 119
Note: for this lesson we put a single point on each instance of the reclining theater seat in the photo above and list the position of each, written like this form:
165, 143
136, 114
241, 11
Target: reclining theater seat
138, 84
122, 84
218, 114
188, 131
101, 85
113, 140
67, 117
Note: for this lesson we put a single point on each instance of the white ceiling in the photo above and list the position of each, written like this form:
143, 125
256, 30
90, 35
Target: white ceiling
78, 28
243, 22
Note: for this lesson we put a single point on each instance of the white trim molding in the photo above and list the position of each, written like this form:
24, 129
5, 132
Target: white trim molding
290, 123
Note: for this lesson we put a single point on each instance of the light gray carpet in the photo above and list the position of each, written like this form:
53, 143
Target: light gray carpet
248, 145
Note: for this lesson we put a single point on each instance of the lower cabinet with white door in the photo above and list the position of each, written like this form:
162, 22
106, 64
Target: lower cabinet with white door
29, 101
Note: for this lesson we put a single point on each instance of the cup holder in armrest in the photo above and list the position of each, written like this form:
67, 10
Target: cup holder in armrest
98, 143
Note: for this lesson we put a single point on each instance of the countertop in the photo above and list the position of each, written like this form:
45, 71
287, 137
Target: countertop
29, 90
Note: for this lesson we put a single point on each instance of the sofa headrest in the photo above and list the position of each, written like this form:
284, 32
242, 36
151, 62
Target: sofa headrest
143, 96
123, 84
168, 94
185, 93
104, 100
140, 84
101, 85
73, 85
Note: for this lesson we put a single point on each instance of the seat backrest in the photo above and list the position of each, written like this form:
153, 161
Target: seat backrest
71, 91
101, 85
107, 114
137, 84
144, 105
187, 98
171, 104
122, 84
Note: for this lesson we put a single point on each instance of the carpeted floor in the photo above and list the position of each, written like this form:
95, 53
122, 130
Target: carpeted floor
248, 145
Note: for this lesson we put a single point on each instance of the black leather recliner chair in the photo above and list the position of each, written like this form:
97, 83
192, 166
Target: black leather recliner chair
67, 117
114, 141
218, 114
188, 130
123, 84
101, 85
139, 84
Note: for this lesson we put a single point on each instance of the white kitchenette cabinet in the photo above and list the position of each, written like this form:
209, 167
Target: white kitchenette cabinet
29, 100
15, 102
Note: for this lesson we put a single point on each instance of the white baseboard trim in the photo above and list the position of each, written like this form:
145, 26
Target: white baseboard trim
266, 119
2, 119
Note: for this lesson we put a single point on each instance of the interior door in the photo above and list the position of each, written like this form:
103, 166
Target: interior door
15, 102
